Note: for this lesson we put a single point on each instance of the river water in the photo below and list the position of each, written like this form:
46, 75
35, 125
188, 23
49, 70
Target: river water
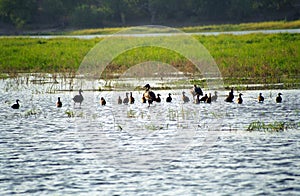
276, 31
165, 149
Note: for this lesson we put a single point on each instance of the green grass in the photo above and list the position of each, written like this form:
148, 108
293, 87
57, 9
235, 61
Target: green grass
271, 25
245, 26
252, 58
272, 127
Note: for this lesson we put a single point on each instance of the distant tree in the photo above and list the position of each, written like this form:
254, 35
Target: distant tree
240, 10
18, 12
89, 16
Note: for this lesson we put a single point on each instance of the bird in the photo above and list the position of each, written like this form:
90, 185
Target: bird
149, 95
126, 99
169, 98
203, 99
143, 99
78, 98
279, 98
158, 99
102, 101
196, 91
16, 105
119, 100
185, 99
208, 100
58, 103
215, 96
260, 98
240, 99
230, 96
197, 100
131, 99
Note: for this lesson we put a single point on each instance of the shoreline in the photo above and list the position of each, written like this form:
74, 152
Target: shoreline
67, 82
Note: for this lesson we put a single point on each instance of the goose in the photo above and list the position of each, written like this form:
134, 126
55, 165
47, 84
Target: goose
149, 95
102, 101
158, 99
204, 98
279, 98
215, 96
16, 105
260, 98
240, 99
78, 98
143, 99
196, 91
119, 100
58, 103
208, 100
185, 99
169, 98
131, 99
197, 100
230, 96
126, 99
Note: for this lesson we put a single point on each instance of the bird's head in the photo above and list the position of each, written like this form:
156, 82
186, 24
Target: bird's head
147, 86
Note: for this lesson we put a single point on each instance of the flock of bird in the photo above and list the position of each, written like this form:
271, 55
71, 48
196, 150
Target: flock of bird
150, 97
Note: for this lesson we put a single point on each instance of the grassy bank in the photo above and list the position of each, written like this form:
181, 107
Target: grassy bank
208, 28
253, 58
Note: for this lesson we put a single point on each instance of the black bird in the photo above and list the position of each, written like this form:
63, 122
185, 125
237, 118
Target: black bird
119, 100
196, 91
158, 99
58, 103
230, 96
260, 98
279, 98
126, 99
204, 98
102, 101
149, 95
169, 98
240, 99
143, 99
16, 105
215, 96
131, 99
208, 100
185, 99
78, 98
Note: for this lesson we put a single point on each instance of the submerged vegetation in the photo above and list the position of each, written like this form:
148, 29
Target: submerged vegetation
242, 59
275, 126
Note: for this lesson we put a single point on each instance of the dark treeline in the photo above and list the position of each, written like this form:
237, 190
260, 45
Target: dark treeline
109, 13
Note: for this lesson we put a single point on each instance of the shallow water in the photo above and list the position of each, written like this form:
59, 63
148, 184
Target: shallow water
167, 149
164, 34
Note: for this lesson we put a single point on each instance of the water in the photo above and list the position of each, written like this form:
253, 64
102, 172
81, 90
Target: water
167, 149
276, 31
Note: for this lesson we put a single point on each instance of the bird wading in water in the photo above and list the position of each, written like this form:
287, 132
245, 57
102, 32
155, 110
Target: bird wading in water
16, 105
279, 98
78, 98
260, 98
149, 95
58, 103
